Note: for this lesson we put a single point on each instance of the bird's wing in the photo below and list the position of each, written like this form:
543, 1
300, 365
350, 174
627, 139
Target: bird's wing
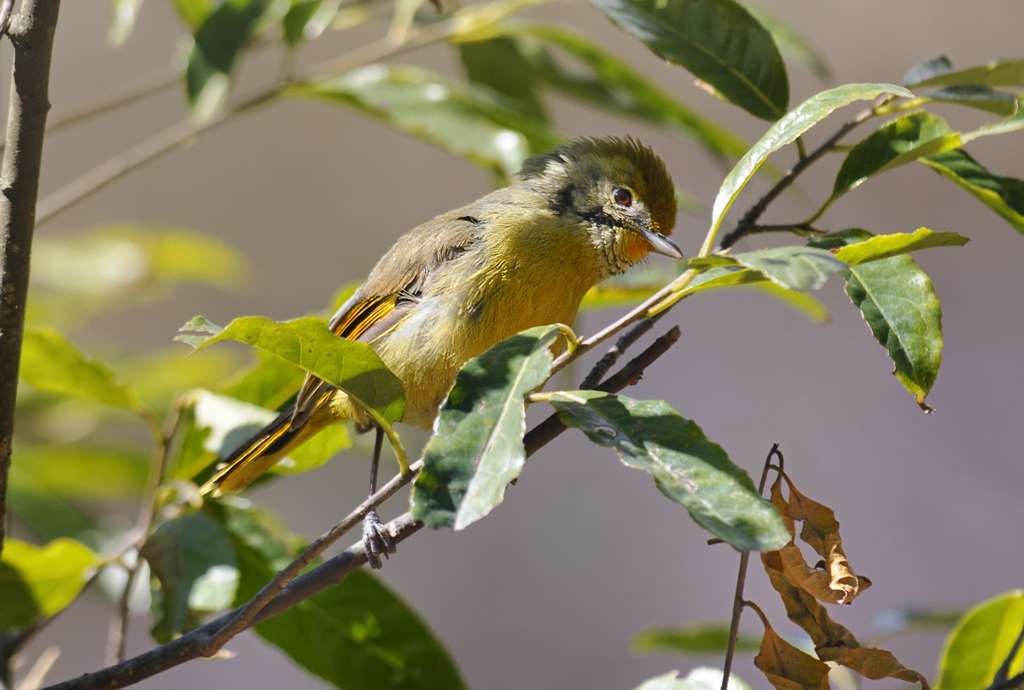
392, 290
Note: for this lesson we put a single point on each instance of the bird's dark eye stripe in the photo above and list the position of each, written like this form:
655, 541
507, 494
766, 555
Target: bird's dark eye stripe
563, 200
598, 216
622, 196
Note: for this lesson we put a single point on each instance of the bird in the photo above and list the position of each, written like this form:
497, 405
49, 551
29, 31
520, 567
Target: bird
449, 289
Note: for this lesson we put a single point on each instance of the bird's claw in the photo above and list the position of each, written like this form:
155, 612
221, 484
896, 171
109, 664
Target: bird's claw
376, 539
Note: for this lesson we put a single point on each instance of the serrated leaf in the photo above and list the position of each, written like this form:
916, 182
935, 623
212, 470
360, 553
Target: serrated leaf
689, 640
977, 97
1004, 195
358, 634
940, 72
687, 467
218, 41
789, 129
611, 83
718, 41
981, 642
77, 472
899, 142
192, 564
477, 447
38, 582
902, 311
50, 363
793, 267
467, 120
308, 344
884, 246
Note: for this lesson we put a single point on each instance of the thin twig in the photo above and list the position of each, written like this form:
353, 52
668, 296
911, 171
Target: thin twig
621, 345
32, 36
741, 578
119, 96
757, 210
196, 643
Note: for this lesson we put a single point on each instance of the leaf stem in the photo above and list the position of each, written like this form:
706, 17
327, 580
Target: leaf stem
741, 578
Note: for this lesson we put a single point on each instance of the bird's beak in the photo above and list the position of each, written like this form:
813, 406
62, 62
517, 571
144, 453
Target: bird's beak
662, 245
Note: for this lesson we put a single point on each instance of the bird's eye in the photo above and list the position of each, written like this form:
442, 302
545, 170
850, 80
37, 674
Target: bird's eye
622, 196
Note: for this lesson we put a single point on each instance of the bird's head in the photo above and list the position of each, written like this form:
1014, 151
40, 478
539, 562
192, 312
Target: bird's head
617, 190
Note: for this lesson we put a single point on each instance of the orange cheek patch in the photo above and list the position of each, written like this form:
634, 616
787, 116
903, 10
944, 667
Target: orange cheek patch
634, 248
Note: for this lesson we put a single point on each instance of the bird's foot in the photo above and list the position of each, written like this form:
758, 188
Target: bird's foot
376, 539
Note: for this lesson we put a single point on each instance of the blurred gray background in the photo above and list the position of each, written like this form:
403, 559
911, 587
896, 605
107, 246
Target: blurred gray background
585, 553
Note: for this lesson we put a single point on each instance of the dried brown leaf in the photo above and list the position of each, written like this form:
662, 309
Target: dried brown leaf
835, 582
788, 668
872, 663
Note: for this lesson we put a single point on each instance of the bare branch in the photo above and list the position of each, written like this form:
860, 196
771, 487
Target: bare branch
32, 35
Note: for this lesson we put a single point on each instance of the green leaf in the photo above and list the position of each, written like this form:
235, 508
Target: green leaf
900, 306
358, 634
38, 582
499, 64
298, 18
981, 642
688, 640
1004, 195
793, 267
308, 344
700, 678
477, 448
192, 564
976, 96
467, 120
791, 43
687, 467
940, 72
269, 382
125, 14
217, 43
49, 515
610, 83
884, 246
718, 41
899, 142
80, 472
789, 129
193, 12
732, 276
631, 287
50, 363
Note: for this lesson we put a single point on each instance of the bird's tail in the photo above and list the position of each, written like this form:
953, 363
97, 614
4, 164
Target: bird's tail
257, 455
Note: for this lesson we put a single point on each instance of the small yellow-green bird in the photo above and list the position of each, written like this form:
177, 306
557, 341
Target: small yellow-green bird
448, 290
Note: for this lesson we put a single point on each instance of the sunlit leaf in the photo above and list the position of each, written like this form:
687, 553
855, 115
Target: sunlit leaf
1004, 195
734, 275
477, 447
307, 343
687, 467
899, 142
792, 267
789, 129
976, 96
297, 21
718, 41
125, 13
468, 120
37, 582
700, 678
192, 564
80, 472
900, 306
193, 12
688, 640
981, 643
50, 363
884, 246
940, 72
